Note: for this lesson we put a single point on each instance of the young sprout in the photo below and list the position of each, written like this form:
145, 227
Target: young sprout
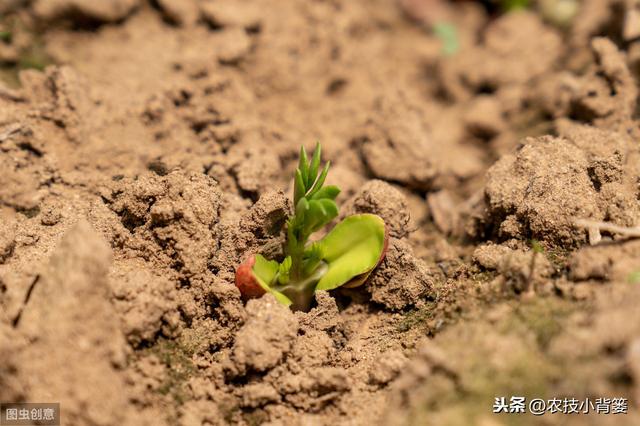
634, 277
448, 35
344, 257
5, 36
513, 5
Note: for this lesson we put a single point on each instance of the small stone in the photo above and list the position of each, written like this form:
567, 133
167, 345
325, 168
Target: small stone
180, 12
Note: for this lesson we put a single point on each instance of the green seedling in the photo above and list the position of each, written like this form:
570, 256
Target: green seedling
537, 249
344, 257
634, 277
512, 5
6, 36
448, 35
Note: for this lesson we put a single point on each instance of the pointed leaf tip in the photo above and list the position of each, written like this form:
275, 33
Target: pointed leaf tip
320, 181
299, 187
303, 166
315, 166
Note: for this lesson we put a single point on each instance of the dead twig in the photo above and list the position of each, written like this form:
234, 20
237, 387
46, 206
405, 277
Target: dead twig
11, 95
595, 227
10, 131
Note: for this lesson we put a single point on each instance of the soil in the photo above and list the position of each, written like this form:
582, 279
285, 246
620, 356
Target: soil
147, 149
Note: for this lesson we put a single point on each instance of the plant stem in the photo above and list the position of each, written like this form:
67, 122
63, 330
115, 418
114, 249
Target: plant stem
300, 292
295, 249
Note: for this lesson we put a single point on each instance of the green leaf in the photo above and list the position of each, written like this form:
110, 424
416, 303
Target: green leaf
536, 246
312, 258
634, 277
448, 35
315, 165
319, 214
352, 248
283, 270
265, 271
303, 165
301, 209
513, 5
330, 209
328, 192
318, 184
299, 187
292, 239
312, 218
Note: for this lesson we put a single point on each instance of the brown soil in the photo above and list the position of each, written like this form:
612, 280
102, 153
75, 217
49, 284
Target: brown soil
147, 147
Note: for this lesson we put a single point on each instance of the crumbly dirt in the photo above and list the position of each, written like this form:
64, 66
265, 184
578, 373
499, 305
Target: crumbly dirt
147, 149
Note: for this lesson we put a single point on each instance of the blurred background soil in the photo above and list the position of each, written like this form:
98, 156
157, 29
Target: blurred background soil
147, 147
